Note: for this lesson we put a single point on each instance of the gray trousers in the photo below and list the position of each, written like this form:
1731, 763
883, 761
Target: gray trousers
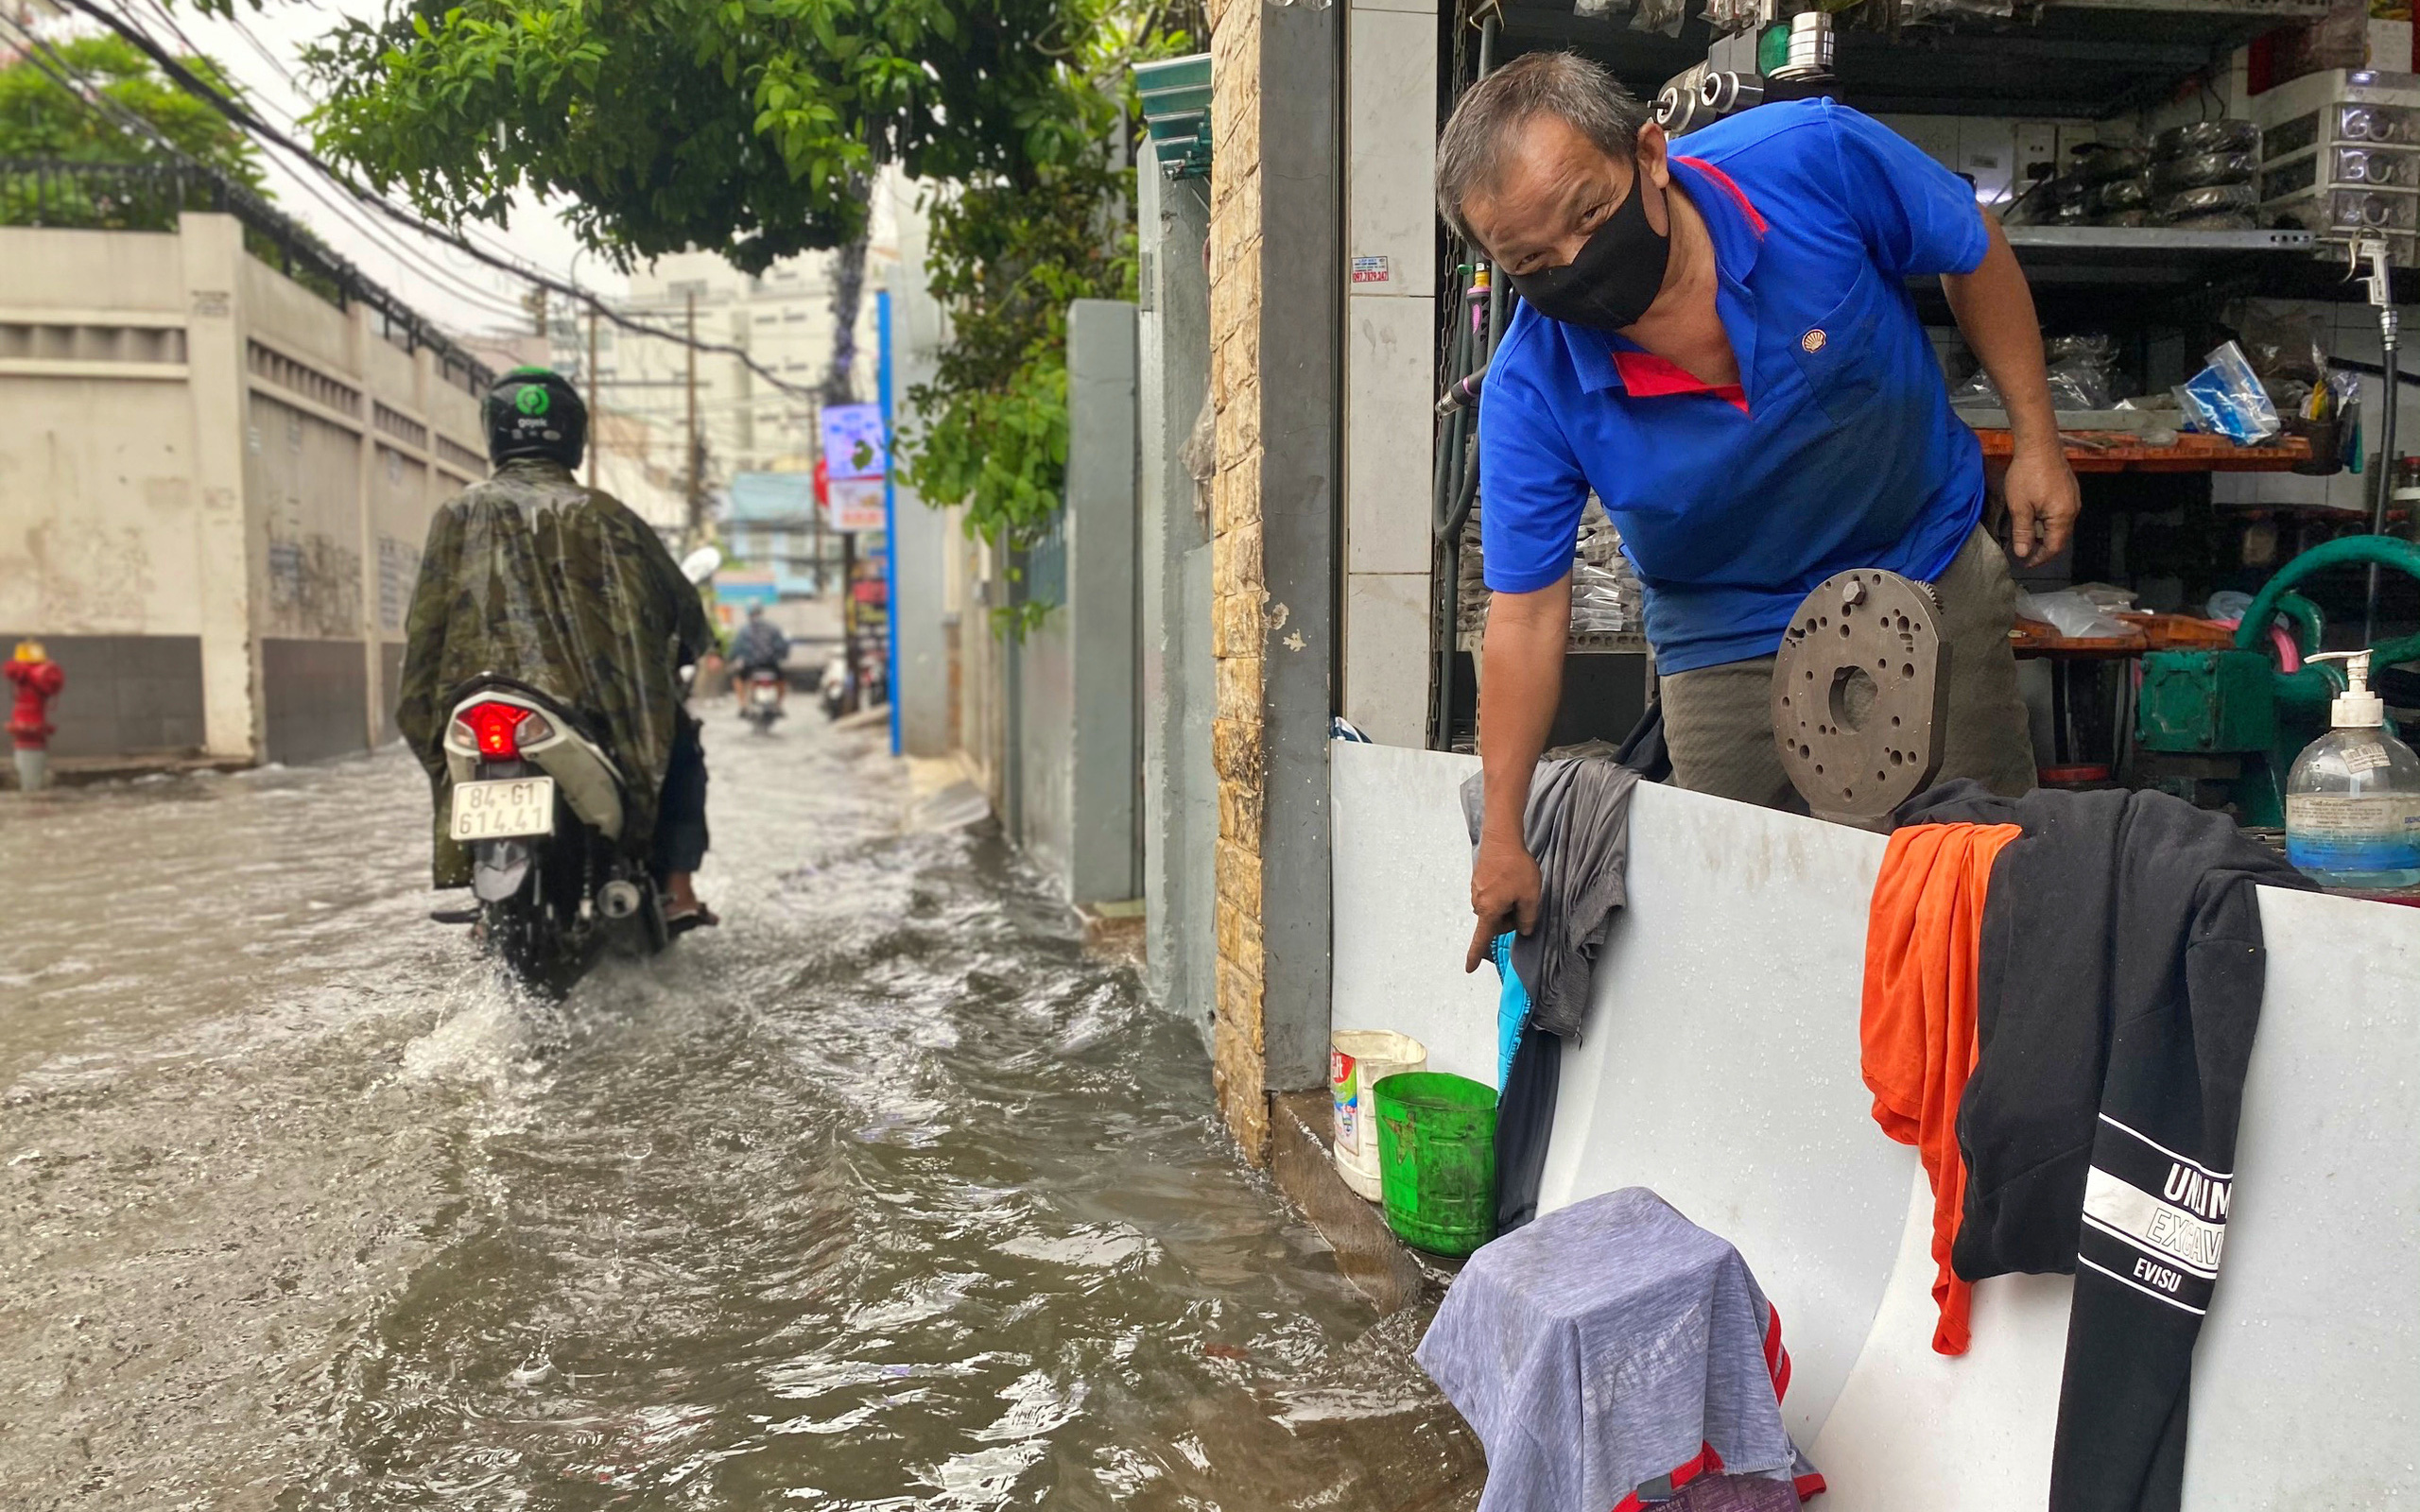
1719, 721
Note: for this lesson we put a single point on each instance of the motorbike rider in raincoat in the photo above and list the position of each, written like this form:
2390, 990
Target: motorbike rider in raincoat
532, 576
759, 644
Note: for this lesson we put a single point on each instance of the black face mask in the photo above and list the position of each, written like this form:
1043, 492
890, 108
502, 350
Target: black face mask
1616, 275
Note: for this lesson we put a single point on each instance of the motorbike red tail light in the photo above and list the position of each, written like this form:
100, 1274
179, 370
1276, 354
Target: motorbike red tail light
496, 728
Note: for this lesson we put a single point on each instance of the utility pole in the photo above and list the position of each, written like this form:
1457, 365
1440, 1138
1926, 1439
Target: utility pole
596, 400
697, 500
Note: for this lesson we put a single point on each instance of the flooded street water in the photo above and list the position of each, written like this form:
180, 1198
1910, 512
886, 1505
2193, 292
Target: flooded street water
884, 1194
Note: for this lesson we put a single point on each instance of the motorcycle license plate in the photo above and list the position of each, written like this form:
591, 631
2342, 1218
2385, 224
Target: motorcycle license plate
764, 693
497, 811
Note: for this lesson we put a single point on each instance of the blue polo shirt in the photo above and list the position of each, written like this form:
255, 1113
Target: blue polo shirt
1835, 450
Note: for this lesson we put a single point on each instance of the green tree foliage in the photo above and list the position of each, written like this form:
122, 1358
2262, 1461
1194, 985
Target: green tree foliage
745, 126
753, 128
42, 122
1005, 256
991, 432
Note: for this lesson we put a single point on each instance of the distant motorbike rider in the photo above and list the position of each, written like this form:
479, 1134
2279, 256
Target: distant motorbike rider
760, 643
532, 576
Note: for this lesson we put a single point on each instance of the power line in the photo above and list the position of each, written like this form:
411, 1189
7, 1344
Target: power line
186, 79
407, 258
257, 211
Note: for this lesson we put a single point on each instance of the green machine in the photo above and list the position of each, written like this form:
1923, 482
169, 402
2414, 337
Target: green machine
2232, 717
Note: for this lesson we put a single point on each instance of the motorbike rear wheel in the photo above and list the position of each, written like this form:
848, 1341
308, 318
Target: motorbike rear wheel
538, 933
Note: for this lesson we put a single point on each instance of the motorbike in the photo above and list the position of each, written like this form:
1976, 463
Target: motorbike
835, 689
760, 698
541, 805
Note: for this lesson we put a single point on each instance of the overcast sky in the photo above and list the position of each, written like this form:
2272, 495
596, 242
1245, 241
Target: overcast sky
442, 281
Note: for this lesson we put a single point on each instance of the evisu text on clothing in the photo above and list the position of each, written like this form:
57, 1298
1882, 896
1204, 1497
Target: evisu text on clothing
2153, 1219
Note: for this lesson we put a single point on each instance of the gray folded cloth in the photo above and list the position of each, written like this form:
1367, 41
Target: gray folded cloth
1577, 826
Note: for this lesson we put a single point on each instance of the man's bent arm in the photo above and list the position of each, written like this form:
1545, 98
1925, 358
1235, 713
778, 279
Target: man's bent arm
1520, 688
1995, 310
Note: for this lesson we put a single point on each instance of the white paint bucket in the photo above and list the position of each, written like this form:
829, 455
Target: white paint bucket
1357, 1061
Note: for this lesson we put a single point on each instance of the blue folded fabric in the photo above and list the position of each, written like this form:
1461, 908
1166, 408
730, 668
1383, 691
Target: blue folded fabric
1512, 1008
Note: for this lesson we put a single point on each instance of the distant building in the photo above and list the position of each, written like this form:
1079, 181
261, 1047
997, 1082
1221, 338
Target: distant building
770, 520
784, 318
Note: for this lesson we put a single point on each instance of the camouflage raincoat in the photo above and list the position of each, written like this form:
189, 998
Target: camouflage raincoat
531, 576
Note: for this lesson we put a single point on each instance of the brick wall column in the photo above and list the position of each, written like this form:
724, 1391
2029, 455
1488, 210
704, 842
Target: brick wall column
1236, 585
1275, 312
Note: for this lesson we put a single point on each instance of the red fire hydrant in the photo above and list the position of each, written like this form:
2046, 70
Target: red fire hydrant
38, 679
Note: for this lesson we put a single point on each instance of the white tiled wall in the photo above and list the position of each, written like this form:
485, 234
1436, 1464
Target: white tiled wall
1387, 430
1390, 123
1386, 695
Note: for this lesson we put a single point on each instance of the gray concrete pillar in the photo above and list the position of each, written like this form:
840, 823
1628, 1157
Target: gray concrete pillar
1100, 604
1301, 306
1180, 818
373, 702
212, 250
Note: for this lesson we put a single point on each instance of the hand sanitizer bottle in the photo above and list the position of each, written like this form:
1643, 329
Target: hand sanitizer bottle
2353, 798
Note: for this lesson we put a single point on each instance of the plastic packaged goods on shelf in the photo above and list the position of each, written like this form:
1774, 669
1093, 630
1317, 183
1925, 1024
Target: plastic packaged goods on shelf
1923, 10
2198, 137
2202, 169
1607, 596
2081, 369
2122, 194
2226, 399
2213, 207
2176, 182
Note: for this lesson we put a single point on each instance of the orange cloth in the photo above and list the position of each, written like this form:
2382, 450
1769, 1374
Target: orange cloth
1923, 950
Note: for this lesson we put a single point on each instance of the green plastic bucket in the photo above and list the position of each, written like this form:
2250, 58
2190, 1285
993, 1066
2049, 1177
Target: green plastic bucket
1437, 1159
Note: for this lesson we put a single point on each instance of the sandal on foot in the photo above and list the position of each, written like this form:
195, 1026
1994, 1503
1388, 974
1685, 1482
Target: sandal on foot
681, 923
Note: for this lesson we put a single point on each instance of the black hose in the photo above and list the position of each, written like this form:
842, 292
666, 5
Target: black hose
1469, 355
1464, 496
2386, 470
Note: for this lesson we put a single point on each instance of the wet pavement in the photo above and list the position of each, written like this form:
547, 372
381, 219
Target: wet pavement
883, 1195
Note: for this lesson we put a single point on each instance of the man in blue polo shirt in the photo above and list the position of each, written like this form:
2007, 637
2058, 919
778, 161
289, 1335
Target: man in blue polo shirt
1718, 343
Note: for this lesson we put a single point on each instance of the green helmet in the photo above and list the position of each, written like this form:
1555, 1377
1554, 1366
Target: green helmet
536, 412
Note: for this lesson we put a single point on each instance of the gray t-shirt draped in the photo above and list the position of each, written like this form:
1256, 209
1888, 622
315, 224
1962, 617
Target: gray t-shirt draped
1577, 826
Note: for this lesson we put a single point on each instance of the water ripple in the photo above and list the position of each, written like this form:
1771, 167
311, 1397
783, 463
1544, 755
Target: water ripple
883, 1196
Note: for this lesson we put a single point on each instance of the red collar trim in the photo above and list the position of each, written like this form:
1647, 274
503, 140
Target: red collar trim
1649, 376
1723, 180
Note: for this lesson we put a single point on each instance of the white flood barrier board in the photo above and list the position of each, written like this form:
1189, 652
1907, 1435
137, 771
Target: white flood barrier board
1719, 1066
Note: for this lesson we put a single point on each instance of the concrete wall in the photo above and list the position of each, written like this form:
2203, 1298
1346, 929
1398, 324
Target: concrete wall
1179, 687
138, 693
1041, 693
1077, 735
1390, 321
1719, 1067
214, 487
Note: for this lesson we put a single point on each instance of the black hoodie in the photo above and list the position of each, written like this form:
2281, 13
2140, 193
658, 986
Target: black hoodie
2121, 976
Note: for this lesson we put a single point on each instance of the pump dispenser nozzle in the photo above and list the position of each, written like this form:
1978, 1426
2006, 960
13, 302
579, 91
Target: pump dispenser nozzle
2357, 707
